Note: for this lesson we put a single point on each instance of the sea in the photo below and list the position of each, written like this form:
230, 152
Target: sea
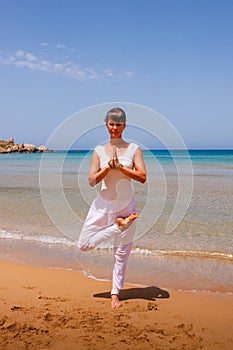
184, 237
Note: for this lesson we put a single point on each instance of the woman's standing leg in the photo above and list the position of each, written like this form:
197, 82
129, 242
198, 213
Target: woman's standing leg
122, 248
121, 256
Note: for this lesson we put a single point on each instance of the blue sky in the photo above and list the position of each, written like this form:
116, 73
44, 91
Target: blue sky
173, 56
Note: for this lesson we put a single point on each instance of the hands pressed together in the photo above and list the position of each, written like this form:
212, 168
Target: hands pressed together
96, 174
114, 161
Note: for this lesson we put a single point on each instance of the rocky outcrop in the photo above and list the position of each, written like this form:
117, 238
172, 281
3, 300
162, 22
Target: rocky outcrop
9, 146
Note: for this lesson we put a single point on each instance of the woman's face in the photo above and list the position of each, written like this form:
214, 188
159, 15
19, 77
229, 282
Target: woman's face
115, 129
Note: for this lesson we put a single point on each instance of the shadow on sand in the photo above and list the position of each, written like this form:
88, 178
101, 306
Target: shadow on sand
147, 293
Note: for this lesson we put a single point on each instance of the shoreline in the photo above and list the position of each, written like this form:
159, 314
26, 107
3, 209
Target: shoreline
108, 280
176, 273
44, 308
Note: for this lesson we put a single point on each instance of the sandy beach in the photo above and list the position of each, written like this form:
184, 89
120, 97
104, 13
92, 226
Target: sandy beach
58, 309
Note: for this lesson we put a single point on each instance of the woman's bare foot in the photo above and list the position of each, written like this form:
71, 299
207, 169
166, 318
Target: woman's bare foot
123, 223
115, 303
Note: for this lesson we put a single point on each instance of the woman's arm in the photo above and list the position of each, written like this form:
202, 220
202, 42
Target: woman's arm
139, 171
95, 174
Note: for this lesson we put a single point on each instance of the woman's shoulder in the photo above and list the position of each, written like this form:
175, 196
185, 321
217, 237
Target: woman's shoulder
134, 146
99, 149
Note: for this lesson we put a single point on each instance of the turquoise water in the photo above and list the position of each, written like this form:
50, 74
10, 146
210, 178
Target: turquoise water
196, 255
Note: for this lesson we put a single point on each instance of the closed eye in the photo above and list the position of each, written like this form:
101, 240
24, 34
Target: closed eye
111, 124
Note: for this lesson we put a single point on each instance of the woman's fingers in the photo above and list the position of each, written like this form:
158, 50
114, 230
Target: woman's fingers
113, 162
114, 156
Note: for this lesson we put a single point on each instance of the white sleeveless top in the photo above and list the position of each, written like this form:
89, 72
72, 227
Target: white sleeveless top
116, 185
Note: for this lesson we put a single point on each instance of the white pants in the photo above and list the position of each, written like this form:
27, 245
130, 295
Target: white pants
100, 226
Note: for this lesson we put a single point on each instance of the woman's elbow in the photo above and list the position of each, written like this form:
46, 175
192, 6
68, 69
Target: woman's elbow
91, 182
143, 179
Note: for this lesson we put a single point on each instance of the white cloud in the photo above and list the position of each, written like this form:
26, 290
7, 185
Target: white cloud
22, 59
60, 46
128, 74
58, 67
31, 57
108, 72
44, 44
19, 53
32, 62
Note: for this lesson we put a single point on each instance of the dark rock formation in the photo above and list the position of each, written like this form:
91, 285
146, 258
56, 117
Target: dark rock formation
9, 146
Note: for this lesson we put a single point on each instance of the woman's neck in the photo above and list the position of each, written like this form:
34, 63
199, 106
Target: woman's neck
117, 142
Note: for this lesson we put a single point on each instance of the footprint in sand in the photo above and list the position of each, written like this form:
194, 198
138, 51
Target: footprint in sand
28, 287
16, 308
3, 320
48, 316
53, 298
152, 306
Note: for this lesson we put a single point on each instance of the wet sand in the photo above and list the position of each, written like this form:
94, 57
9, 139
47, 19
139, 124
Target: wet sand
57, 309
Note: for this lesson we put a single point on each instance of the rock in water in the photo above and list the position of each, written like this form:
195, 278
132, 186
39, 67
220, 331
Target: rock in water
9, 146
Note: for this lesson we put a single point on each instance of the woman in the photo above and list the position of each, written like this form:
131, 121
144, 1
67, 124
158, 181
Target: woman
113, 212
